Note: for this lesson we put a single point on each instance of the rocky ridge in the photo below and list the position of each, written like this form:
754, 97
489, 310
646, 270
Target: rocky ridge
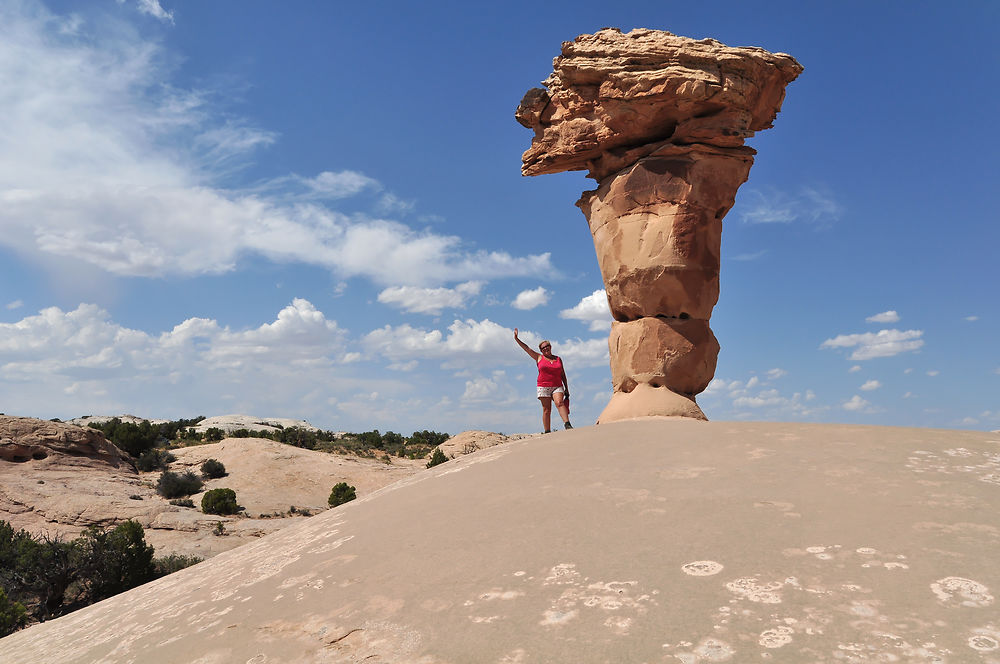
59, 478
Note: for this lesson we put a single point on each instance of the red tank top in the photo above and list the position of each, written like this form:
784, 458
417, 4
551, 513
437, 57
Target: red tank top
549, 371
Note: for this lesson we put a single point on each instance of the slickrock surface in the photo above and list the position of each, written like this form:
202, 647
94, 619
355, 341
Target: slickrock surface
468, 442
650, 540
659, 121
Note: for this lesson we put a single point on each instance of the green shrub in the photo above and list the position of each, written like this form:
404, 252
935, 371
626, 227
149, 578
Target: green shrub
437, 458
182, 502
13, 615
214, 433
172, 485
342, 493
173, 563
213, 469
116, 560
219, 501
154, 460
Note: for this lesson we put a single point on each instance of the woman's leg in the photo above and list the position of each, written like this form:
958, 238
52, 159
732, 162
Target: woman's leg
546, 413
561, 406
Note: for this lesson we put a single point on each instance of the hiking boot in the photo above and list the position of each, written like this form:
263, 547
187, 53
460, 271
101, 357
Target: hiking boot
567, 425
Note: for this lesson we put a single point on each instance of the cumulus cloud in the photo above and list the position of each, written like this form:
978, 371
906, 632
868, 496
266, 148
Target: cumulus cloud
856, 404
855, 369
430, 300
884, 317
123, 170
494, 389
884, 343
530, 299
99, 364
755, 399
774, 374
870, 385
592, 309
809, 205
471, 344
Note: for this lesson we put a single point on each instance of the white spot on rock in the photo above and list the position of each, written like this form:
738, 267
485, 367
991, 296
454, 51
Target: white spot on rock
776, 638
702, 568
955, 590
553, 617
749, 588
714, 650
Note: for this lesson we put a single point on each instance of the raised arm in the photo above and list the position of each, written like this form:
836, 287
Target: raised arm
534, 355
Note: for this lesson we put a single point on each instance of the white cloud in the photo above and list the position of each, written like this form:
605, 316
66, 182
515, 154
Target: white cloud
496, 390
909, 395
855, 369
16, 304
154, 9
856, 403
471, 344
933, 372
871, 385
884, 343
340, 184
972, 319
288, 363
430, 300
774, 207
884, 317
750, 256
122, 170
774, 374
592, 309
530, 299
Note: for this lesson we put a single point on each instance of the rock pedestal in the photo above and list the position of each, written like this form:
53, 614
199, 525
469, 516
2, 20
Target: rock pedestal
659, 121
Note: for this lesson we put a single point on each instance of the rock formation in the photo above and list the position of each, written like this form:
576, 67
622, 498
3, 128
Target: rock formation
659, 121
57, 479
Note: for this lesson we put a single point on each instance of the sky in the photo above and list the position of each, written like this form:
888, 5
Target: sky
314, 210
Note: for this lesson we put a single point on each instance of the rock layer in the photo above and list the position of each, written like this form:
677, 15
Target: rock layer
659, 121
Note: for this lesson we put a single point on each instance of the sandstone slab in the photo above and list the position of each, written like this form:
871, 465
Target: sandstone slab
657, 541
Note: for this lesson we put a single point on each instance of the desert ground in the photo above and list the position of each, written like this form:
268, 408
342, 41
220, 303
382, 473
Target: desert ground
653, 540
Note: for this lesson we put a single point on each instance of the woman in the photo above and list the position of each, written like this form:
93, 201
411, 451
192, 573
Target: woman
552, 383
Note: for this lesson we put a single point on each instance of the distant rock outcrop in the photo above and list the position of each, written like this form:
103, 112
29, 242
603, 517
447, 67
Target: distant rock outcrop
468, 442
659, 121
55, 444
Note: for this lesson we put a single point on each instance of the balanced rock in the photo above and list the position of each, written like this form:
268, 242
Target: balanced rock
659, 121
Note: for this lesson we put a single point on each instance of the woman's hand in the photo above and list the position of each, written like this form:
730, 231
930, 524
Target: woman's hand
515, 333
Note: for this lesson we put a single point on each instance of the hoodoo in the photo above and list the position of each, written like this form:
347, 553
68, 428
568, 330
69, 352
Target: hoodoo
659, 122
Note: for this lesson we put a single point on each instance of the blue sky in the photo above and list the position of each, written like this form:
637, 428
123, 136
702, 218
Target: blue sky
315, 210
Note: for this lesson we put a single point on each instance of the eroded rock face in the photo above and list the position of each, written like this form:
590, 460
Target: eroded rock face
659, 121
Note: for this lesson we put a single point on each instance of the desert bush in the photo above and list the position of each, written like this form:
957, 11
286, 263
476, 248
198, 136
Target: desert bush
13, 615
115, 560
214, 434
173, 563
219, 501
172, 485
342, 493
182, 502
154, 460
213, 469
437, 458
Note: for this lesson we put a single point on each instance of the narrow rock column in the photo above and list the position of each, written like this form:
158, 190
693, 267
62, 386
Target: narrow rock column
659, 122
